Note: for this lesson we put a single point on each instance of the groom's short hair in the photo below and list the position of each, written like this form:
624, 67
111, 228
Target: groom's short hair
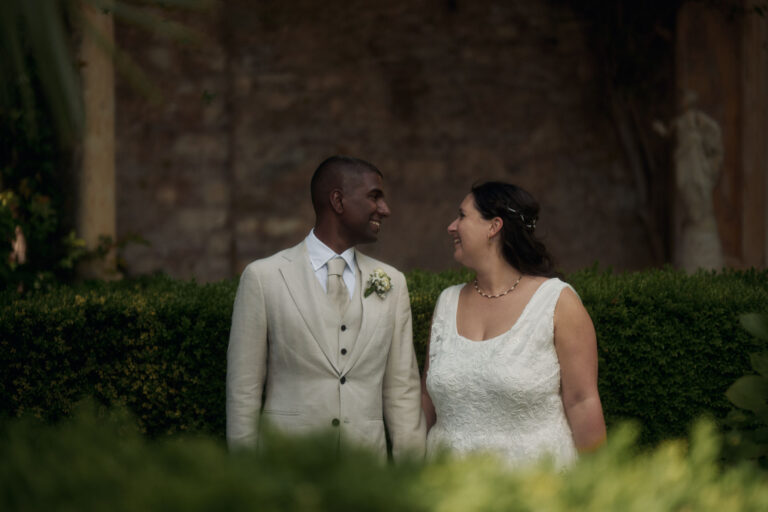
332, 173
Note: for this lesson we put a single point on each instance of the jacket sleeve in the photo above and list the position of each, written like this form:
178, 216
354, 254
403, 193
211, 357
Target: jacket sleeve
246, 361
402, 388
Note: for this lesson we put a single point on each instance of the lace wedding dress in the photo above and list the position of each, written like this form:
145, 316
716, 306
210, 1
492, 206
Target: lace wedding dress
500, 395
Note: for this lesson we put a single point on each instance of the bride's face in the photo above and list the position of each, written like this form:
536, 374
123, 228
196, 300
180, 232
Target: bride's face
470, 233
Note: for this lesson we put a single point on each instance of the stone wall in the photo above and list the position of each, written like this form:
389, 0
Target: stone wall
438, 95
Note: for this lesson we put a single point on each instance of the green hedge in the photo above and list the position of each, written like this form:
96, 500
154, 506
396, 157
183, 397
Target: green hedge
94, 462
669, 346
157, 346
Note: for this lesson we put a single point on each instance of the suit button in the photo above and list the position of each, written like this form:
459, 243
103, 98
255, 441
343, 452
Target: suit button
343, 380
335, 422
343, 327
343, 351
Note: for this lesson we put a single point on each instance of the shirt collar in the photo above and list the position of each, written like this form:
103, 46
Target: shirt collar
320, 254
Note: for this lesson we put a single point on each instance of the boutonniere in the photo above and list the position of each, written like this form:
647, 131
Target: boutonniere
378, 282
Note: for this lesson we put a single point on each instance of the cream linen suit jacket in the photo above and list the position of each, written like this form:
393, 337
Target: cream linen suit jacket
283, 339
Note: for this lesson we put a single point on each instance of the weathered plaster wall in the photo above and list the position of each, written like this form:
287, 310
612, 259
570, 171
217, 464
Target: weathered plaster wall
216, 173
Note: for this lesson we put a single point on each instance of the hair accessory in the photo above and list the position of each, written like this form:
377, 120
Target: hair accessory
483, 294
528, 224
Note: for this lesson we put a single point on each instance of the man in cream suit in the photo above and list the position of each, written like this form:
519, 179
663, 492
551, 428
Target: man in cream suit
308, 350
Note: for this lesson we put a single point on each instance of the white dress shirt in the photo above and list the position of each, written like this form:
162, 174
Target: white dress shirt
319, 256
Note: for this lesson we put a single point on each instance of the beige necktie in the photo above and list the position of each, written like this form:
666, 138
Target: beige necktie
337, 290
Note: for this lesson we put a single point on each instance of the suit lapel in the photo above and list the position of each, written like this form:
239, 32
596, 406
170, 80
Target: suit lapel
373, 310
300, 280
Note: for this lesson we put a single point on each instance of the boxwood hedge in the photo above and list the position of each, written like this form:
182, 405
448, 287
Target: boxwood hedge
669, 345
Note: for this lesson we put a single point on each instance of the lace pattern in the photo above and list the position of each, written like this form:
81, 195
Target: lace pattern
500, 395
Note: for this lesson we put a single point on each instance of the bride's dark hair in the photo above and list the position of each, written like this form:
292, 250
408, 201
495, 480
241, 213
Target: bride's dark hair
519, 211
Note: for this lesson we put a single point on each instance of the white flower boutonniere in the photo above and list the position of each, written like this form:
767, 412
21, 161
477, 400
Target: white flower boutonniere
378, 282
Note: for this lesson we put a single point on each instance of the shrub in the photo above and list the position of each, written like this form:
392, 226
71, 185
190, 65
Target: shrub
748, 437
669, 346
98, 461
156, 345
35, 174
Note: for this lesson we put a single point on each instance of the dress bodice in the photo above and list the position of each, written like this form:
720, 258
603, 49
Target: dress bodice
502, 394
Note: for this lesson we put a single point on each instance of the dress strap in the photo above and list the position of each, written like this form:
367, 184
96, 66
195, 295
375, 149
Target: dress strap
545, 299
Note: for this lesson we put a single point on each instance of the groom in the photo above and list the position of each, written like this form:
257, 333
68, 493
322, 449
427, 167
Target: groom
316, 341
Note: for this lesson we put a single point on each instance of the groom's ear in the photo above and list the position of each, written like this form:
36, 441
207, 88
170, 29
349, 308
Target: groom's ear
336, 199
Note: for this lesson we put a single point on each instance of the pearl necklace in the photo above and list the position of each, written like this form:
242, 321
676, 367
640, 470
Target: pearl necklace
483, 294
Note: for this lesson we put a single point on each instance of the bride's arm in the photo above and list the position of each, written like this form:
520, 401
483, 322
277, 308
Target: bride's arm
426, 401
576, 347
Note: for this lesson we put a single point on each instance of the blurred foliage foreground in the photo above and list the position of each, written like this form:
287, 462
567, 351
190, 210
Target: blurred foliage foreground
98, 460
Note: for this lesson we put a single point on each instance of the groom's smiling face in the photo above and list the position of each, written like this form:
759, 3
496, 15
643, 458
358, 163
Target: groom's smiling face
364, 207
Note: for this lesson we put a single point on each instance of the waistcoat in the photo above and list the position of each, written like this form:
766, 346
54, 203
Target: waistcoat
349, 322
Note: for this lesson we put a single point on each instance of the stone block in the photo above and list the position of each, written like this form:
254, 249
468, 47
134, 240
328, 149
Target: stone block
202, 148
200, 220
280, 227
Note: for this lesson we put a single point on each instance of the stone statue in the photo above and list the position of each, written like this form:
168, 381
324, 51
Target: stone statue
698, 157
18, 254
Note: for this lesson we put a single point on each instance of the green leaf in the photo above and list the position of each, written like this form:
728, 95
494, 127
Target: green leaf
756, 324
750, 392
760, 363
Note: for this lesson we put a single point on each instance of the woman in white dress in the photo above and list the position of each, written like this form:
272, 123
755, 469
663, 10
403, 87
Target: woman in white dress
511, 365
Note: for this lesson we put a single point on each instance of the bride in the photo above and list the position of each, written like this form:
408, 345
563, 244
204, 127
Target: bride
511, 365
